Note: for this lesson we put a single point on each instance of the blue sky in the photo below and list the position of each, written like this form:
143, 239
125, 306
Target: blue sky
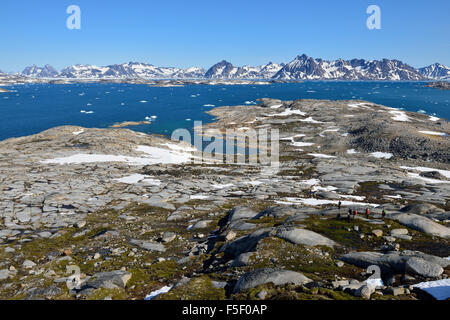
203, 32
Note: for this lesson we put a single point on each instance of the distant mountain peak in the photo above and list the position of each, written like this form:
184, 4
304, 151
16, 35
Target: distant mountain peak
436, 71
307, 68
40, 72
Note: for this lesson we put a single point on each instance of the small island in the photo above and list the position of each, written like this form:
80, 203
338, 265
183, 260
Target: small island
443, 85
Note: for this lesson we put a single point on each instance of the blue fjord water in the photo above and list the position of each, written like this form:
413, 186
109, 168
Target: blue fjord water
29, 109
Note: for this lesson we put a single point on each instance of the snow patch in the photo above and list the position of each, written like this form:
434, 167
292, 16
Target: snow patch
382, 155
434, 133
320, 155
440, 289
155, 293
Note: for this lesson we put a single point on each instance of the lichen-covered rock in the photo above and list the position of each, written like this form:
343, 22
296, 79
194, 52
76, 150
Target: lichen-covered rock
305, 237
255, 278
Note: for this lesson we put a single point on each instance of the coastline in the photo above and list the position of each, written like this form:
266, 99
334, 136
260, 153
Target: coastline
140, 208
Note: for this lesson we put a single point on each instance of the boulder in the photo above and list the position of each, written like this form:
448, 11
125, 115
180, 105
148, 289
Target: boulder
148, 245
433, 175
168, 236
303, 236
240, 212
421, 208
377, 233
268, 275
414, 262
110, 280
28, 264
423, 268
422, 224
4, 274
246, 243
399, 232
365, 292
242, 260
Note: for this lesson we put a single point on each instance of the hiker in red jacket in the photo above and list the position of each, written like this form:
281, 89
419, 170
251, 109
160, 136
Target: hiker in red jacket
355, 213
383, 214
367, 213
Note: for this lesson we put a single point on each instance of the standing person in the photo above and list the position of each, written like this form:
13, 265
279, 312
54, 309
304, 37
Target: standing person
383, 214
355, 213
349, 213
367, 213
339, 208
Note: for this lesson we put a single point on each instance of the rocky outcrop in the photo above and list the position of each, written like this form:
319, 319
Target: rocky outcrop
276, 276
304, 237
422, 224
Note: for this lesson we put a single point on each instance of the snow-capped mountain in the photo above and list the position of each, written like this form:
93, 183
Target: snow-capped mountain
302, 67
307, 68
80, 71
130, 70
40, 72
225, 70
436, 71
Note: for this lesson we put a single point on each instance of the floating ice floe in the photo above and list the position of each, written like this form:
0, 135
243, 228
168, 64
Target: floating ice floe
250, 102
382, 155
209, 105
155, 293
143, 101
434, 133
86, 112
439, 289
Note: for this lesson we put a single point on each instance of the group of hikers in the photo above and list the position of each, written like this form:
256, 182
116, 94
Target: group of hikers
354, 212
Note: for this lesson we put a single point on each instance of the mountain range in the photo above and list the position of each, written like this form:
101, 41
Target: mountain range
302, 67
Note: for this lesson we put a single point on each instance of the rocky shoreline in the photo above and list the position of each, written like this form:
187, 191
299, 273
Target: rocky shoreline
9, 80
443, 85
136, 216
